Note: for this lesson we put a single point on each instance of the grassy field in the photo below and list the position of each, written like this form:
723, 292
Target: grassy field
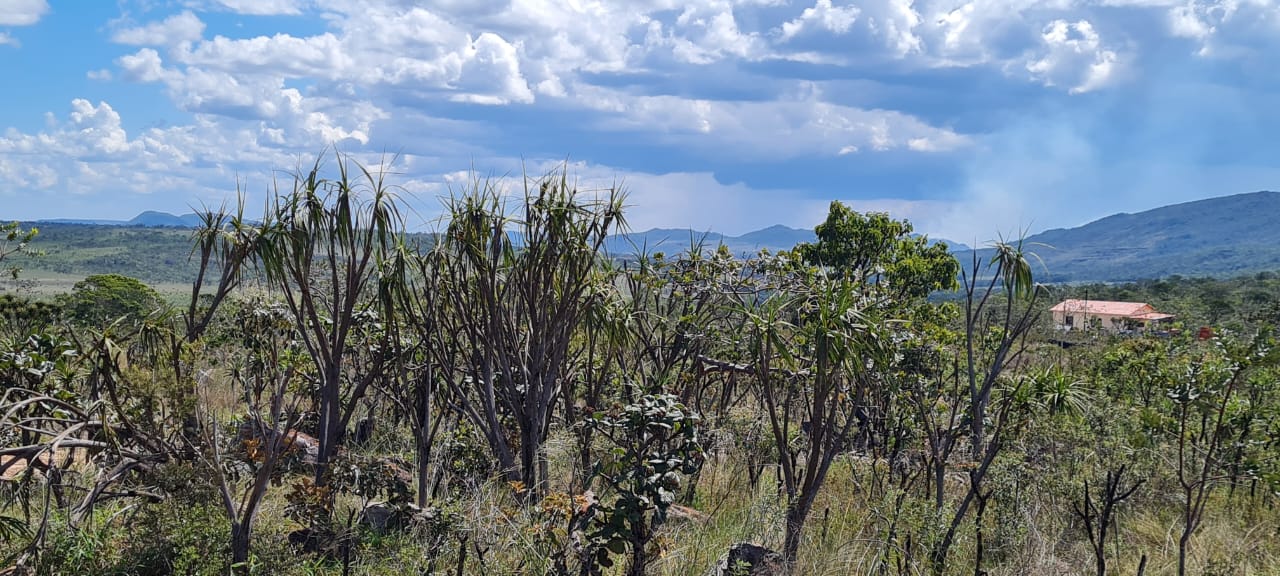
157, 256
45, 285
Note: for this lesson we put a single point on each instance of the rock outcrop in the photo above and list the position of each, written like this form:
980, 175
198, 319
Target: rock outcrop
745, 559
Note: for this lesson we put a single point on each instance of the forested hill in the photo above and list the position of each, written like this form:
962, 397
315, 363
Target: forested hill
1223, 236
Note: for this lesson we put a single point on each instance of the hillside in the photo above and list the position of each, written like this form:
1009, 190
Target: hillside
1223, 236
153, 255
154, 246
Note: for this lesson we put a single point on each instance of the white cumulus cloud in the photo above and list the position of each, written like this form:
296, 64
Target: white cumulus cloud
1073, 55
824, 16
262, 7
1226, 28
776, 129
22, 12
182, 28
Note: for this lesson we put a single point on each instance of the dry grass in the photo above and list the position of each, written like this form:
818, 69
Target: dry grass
845, 535
44, 285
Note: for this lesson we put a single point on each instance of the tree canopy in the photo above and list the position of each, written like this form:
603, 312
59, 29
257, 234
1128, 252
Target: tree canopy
872, 247
106, 297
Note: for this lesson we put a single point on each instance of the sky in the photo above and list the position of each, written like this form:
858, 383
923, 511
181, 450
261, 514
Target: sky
974, 119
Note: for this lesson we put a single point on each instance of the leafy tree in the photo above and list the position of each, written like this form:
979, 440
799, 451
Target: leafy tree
893, 271
814, 366
874, 248
426, 350
103, 298
820, 342
14, 240
265, 375
20, 316
854, 243
1203, 399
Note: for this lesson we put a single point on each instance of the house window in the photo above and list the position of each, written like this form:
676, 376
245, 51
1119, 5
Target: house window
1071, 321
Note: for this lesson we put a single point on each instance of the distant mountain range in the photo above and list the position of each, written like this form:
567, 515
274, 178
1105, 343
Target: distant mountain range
673, 240
1223, 236
150, 219
670, 240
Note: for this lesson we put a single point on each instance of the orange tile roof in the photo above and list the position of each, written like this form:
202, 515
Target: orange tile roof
1103, 307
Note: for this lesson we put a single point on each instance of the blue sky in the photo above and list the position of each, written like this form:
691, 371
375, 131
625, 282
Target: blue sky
972, 118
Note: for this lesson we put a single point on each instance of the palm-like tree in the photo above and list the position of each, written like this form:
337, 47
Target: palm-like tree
224, 243
521, 286
321, 248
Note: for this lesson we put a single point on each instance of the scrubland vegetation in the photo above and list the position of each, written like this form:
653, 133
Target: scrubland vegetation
503, 397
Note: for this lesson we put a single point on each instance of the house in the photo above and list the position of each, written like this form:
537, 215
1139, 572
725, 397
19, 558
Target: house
1111, 316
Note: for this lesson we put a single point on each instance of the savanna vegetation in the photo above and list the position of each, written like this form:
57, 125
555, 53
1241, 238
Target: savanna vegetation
335, 396
153, 255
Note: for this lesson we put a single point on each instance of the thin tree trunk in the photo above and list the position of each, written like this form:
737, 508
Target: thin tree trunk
529, 460
425, 434
240, 533
1183, 544
424, 470
329, 421
639, 538
980, 546
797, 514
939, 481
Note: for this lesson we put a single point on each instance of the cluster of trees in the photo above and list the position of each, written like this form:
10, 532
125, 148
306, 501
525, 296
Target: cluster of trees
322, 326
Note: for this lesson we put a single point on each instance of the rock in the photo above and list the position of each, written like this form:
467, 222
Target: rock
381, 517
745, 559
306, 446
296, 444
398, 470
315, 541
